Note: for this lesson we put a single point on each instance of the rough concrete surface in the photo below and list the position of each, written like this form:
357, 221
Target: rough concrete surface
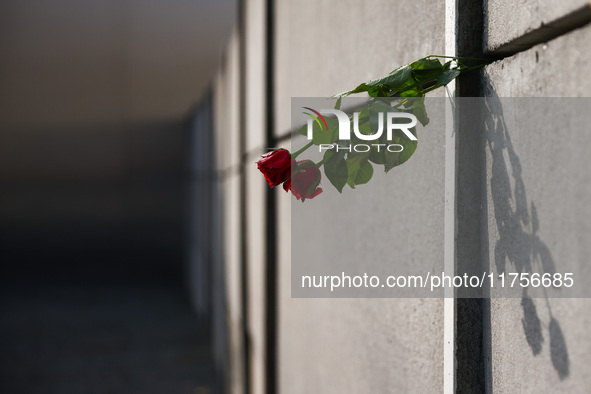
343, 43
546, 70
506, 20
537, 209
361, 345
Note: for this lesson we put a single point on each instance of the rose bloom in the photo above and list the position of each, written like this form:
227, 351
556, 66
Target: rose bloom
304, 181
276, 166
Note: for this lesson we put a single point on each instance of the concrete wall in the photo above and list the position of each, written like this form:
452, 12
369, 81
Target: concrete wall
255, 187
94, 96
360, 345
537, 187
75, 62
229, 161
531, 190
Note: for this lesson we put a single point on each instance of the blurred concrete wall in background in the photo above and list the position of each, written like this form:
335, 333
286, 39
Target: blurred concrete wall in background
95, 98
102, 230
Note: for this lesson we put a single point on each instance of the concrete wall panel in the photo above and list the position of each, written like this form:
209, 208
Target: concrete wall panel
256, 260
370, 345
359, 345
546, 70
538, 189
232, 260
328, 47
255, 73
227, 92
506, 20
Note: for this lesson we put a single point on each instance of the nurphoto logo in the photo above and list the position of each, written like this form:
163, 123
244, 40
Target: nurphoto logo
344, 130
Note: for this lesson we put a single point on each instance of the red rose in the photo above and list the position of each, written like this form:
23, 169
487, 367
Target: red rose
276, 166
304, 181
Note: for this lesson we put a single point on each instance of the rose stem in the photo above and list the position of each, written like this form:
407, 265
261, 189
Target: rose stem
296, 154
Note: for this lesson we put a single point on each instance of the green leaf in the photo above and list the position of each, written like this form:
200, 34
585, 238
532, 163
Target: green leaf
354, 163
394, 80
369, 116
419, 110
378, 91
448, 74
338, 103
425, 70
408, 81
333, 128
364, 174
426, 64
302, 130
379, 105
319, 134
335, 169
377, 157
393, 159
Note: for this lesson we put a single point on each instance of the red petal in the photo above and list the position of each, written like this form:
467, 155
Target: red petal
315, 193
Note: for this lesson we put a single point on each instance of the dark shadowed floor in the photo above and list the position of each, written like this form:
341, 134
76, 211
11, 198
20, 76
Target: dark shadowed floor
100, 338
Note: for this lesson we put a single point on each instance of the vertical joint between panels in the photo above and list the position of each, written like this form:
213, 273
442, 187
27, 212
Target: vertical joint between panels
271, 280
470, 313
245, 340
